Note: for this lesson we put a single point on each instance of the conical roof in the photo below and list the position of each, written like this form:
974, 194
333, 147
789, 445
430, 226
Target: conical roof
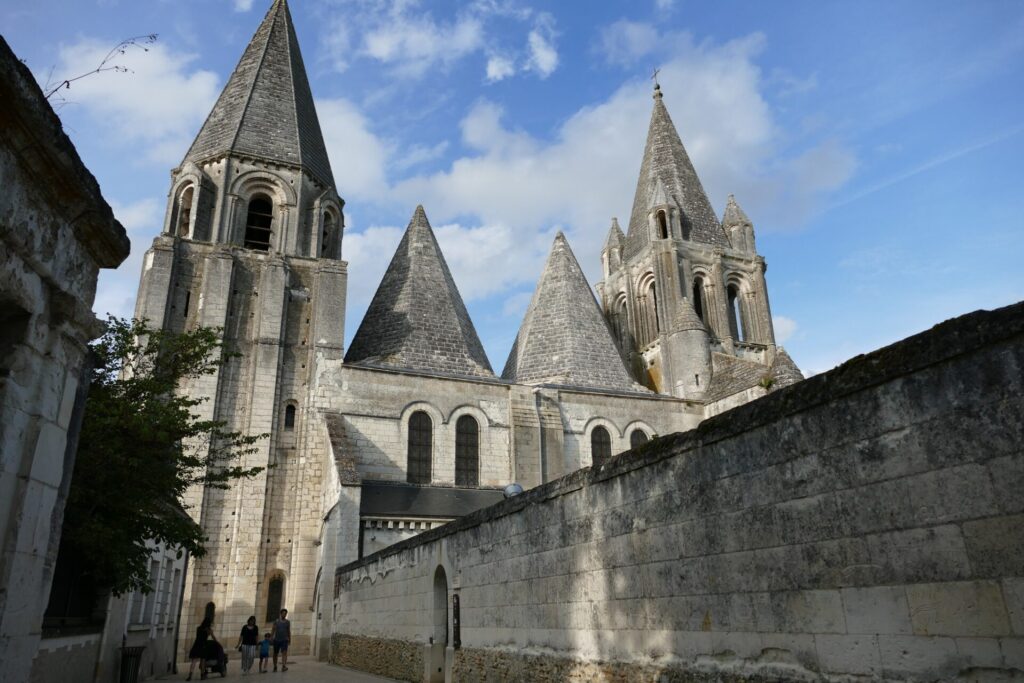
734, 215
667, 163
686, 318
615, 236
266, 109
417, 320
785, 370
564, 339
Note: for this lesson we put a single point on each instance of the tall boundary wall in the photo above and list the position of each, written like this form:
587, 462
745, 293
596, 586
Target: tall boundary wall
867, 522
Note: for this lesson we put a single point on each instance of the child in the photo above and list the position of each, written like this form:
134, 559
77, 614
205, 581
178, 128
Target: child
264, 652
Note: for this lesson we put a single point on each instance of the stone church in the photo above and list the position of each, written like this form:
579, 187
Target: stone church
410, 427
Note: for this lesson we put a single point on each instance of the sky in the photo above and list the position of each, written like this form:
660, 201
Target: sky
876, 146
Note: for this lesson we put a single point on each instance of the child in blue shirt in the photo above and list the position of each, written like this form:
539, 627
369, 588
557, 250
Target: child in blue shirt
264, 652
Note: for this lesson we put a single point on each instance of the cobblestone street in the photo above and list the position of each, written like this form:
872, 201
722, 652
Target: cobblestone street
302, 670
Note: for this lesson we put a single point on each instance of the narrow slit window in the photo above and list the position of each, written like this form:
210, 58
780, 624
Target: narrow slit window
258, 223
698, 298
467, 452
736, 314
420, 448
185, 211
662, 225
289, 417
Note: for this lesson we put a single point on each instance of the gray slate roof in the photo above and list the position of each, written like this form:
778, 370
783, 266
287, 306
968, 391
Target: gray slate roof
667, 164
266, 109
417, 320
564, 339
785, 370
403, 500
615, 237
731, 375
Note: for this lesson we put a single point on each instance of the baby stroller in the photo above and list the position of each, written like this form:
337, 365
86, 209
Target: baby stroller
215, 660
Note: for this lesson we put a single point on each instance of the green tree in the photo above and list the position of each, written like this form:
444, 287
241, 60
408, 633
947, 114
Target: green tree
142, 446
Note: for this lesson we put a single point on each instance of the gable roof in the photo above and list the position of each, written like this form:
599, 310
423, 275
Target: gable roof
785, 370
417, 320
668, 176
266, 109
564, 339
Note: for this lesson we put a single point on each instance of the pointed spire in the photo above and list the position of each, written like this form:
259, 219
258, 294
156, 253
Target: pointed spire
666, 161
734, 215
658, 197
785, 370
564, 339
615, 236
417, 320
266, 109
686, 318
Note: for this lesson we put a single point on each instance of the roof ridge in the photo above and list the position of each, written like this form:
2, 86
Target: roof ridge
252, 85
291, 69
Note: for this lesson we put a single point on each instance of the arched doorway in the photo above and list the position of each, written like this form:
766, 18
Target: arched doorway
439, 643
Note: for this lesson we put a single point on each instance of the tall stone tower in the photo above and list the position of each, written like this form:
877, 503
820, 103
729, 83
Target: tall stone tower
252, 244
680, 288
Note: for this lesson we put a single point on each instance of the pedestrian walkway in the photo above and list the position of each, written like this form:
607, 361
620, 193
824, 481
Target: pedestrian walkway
304, 669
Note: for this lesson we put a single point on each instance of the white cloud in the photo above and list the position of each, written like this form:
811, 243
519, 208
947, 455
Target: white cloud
358, 157
625, 42
161, 102
543, 57
115, 292
243, 5
785, 328
412, 45
499, 68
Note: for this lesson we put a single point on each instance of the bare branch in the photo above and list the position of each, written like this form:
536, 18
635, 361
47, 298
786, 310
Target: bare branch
139, 42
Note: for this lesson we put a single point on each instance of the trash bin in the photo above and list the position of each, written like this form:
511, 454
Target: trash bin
131, 660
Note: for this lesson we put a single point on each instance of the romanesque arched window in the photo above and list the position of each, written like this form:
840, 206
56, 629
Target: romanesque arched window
467, 452
258, 223
327, 238
648, 326
620, 322
275, 597
737, 325
420, 448
698, 298
662, 225
185, 210
638, 437
600, 445
289, 417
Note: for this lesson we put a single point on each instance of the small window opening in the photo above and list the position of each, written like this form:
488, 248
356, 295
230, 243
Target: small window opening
289, 417
735, 314
698, 298
185, 211
662, 225
467, 452
420, 447
600, 446
638, 438
327, 239
258, 223
188, 300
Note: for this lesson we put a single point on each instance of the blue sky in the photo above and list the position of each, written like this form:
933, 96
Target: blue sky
877, 146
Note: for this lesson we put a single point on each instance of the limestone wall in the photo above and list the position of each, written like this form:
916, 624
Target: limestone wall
865, 522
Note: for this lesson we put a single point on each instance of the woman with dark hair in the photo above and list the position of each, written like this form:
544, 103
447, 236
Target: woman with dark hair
198, 651
248, 640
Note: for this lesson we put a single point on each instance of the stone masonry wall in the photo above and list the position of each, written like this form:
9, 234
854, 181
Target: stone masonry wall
867, 522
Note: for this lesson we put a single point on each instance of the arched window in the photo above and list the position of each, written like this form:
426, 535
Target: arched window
467, 452
662, 225
275, 597
600, 445
289, 417
638, 438
327, 239
185, 211
698, 298
620, 321
420, 447
258, 223
648, 326
736, 326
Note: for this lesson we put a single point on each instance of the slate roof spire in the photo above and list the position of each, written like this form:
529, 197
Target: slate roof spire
666, 164
615, 236
564, 339
734, 215
417, 320
266, 109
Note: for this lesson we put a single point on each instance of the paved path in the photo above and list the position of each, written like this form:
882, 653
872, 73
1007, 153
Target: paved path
303, 670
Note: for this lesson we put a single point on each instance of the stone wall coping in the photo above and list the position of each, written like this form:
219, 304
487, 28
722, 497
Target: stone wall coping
943, 342
37, 135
